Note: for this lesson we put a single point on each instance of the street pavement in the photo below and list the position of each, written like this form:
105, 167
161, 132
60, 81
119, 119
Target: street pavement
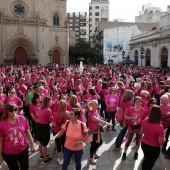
109, 160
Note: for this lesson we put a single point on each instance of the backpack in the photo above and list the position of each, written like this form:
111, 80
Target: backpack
89, 138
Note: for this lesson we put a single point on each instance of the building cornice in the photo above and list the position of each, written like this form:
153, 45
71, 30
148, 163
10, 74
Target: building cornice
30, 21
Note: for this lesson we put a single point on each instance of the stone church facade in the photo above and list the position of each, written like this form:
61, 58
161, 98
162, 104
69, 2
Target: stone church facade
30, 29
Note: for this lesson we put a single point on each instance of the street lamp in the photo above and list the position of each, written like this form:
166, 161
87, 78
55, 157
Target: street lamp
141, 55
50, 54
123, 54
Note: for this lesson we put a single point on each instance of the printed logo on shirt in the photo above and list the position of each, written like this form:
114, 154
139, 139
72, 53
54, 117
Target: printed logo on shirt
15, 136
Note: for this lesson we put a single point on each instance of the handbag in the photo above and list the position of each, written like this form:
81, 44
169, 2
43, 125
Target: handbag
119, 115
135, 128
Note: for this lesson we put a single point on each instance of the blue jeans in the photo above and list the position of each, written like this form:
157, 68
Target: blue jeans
67, 156
120, 137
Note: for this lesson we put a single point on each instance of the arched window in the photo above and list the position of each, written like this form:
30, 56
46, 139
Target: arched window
56, 19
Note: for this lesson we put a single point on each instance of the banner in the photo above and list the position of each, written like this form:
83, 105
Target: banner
114, 48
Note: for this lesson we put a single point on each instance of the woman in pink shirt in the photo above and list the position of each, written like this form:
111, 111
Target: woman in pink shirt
74, 141
149, 89
73, 92
12, 98
120, 90
134, 116
150, 104
112, 102
143, 95
153, 137
103, 95
22, 89
55, 97
59, 119
62, 83
13, 132
3, 100
34, 110
125, 104
98, 86
43, 128
94, 122
79, 88
165, 111
73, 103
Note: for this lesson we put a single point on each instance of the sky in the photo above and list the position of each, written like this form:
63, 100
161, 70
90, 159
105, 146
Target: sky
124, 9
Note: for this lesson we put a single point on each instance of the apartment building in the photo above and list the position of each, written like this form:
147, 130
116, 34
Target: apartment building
78, 22
98, 11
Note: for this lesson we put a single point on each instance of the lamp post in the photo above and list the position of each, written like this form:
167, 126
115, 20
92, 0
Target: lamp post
50, 54
123, 54
141, 55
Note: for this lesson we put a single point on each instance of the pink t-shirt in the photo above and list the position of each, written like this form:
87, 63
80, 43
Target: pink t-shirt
16, 100
140, 116
70, 83
55, 99
93, 126
3, 99
126, 105
78, 97
44, 116
112, 101
72, 138
151, 132
120, 93
56, 106
59, 121
144, 103
14, 140
165, 111
34, 109
62, 84
98, 89
104, 93
22, 89
157, 89
88, 97
148, 109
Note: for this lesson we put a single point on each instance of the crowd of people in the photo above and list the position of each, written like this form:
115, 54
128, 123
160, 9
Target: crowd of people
36, 101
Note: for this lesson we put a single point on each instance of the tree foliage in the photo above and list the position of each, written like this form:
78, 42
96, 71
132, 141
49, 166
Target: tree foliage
83, 49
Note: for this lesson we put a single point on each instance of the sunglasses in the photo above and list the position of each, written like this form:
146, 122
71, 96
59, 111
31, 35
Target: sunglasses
13, 109
12, 92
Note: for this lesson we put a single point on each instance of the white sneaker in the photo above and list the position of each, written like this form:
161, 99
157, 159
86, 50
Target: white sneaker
92, 161
60, 161
35, 146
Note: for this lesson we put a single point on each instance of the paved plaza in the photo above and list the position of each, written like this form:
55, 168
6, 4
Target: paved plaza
110, 160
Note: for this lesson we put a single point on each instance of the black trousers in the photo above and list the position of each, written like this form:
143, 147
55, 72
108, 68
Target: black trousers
17, 162
94, 144
103, 109
111, 116
60, 142
166, 137
151, 154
